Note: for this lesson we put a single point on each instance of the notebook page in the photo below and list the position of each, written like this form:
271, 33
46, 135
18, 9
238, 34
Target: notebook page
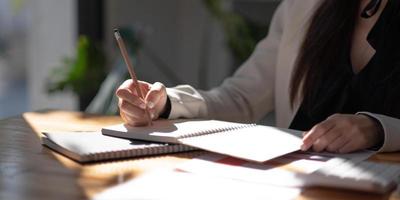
93, 146
257, 143
91, 142
171, 130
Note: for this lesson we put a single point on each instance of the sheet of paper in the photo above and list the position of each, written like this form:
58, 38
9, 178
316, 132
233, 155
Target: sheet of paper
258, 143
286, 170
214, 176
180, 185
280, 171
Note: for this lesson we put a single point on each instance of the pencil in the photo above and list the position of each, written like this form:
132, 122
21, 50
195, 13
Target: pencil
129, 65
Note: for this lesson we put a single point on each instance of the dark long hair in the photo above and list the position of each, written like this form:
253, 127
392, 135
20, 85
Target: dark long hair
329, 33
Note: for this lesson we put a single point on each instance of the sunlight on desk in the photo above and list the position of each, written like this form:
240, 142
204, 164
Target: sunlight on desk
94, 177
67, 121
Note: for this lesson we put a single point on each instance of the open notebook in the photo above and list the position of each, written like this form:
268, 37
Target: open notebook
246, 141
93, 146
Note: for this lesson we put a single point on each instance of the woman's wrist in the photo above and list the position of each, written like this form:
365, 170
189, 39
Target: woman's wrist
377, 132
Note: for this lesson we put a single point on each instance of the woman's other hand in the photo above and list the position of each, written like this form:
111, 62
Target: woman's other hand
133, 108
343, 133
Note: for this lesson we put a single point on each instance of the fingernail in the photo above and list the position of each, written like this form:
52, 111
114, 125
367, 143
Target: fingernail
151, 115
150, 104
142, 106
303, 147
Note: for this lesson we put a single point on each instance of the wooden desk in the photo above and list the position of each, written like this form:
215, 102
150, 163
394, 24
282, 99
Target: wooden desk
30, 171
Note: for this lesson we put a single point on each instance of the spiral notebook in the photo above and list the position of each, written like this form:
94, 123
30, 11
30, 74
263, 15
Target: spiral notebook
246, 141
93, 146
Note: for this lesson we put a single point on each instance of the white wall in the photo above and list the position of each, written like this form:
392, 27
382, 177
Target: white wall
50, 38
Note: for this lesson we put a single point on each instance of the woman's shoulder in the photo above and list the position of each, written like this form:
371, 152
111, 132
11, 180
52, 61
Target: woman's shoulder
296, 9
297, 13
297, 5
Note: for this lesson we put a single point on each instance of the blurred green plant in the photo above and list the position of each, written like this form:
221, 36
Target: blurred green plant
241, 34
82, 74
17, 5
2, 47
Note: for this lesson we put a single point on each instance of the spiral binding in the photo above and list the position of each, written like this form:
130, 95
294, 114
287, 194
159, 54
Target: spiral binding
143, 151
216, 130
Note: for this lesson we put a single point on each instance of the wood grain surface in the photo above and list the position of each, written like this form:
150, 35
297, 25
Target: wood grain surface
30, 171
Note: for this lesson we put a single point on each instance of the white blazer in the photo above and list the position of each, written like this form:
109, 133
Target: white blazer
261, 84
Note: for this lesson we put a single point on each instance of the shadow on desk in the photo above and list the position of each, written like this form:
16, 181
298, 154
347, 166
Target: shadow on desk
336, 194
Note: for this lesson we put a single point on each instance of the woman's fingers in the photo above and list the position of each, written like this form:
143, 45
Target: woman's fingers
132, 107
128, 85
325, 140
131, 110
154, 95
348, 147
315, 133
132, 121
336, 144
156, 99
131, 114
125, 95
343, 133
128, 92
153, 113
145, 87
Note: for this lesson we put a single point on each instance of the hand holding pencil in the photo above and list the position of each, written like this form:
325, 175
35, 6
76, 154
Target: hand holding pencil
133, 108
139, 102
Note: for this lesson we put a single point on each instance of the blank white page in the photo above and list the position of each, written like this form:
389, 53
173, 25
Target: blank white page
257, 143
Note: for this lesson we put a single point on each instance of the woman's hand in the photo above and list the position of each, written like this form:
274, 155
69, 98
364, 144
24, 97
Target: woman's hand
133, 108
343, 133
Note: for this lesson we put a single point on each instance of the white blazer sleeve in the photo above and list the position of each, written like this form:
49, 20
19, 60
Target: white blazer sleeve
246, 96
391, 130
